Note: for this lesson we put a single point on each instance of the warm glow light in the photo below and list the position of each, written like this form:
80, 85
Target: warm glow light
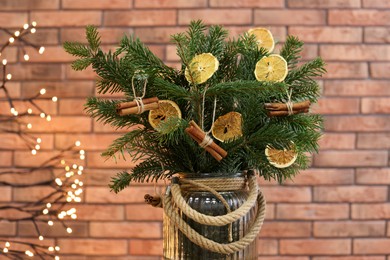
67, 168
82, 157
74, 186
11, 39
29, 126
81, 184
17, 33
68, 199
51, 249
41, 50
54, 99
58, 181
9, 76
74, 166
42, 115
26, 57
77, 143
33, 30
42, 91
4, 62
71, 211
7, 244
69, 230
37, 147
57, 257
45, 211
73, 216
5, 250
62, 162
77, 199
25, 26
39, 140
50, 223
34, 23
82, 152
33, 152
40, 238
29, 110
13, 110
48, 205
48, 118
81, 168
57, 248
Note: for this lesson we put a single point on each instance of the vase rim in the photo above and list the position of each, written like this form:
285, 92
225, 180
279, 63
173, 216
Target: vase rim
211, 175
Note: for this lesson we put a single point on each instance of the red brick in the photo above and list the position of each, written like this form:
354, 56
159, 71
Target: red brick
26, 5
349, 258
27, 228
14, 142
315, 247
376, 34
283, 258
143, 212
358, 123
157, 35
58, 88
99, 127
375, 4
289, 17
32, 193
216, 16
88, 141
11, 53
5, 194
366, 246
356, 88
310, 51
280, 229
323, 3
355, 52
128, 195
145, 247
371, 211
270, 211
5, 158
66, 18
327, 34
312, 211
7, 228
380, 70
51, 54
139, 18
100, 212
74, 124
373, 176
72, 106
346, 70
359, 17
125, 229
35, 71
350, 194
353, 158
336, 141
376, 105
48, 106
317, 176
88, 73
287, 194
337, 106
267, 247
13, 19
93, 246
247, 3
107, 35
169, 3
97, 4
349, 228
13, 90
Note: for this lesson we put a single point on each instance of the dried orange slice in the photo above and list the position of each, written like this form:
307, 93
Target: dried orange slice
281, 158
201, 68
227, 127
271, 68
264, 38
167, 109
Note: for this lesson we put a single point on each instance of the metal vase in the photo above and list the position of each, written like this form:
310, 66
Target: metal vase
178, 247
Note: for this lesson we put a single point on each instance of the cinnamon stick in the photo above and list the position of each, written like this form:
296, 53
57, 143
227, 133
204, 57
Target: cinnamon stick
191, 130
134, 110
202, 135
285, 113
134, 104
283, 107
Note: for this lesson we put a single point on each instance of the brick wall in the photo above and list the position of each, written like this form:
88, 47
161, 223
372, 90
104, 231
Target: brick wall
336, 210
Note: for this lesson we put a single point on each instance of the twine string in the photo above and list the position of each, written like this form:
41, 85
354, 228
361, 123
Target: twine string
289, 103
138, 100
207, 140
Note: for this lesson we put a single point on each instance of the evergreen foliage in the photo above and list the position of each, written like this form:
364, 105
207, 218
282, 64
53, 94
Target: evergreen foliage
160, 154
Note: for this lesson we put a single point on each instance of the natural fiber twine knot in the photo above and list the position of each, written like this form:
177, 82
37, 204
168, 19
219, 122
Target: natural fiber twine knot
174, 200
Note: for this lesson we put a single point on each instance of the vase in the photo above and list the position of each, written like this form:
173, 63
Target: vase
178, 246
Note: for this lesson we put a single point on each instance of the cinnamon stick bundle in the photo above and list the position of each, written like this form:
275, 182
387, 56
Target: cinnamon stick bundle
196, 133
281, 109
133, 107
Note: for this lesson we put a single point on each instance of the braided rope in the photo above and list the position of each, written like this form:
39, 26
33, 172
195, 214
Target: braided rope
210, 245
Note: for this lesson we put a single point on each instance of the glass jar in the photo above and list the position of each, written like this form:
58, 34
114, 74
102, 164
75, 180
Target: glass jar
178, 247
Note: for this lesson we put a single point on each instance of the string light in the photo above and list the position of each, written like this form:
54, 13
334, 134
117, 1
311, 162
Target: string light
77, 143
40, 238
33, 30
4, 62
34, 23
41, 50
37, 147
29, 125
25, 26
56, 257
69, 230
51, 249
50, 223
45, 211
42, 115
7, 244
54, 99
5, 250
17, 33
39, 140
42, 91
9, 76
57, 248
48, 118
29, 111
11, 40
26, 57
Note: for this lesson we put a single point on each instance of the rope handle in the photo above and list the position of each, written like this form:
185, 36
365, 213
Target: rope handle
211, 245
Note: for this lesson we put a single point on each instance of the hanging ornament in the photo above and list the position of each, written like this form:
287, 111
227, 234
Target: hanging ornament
264, 38
139, 104
271, 68
288, 108
227, 127
281, 158
167, 110
205, 141
201, 68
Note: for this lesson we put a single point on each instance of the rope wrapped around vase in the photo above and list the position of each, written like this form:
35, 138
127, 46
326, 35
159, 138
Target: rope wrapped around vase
174, 200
